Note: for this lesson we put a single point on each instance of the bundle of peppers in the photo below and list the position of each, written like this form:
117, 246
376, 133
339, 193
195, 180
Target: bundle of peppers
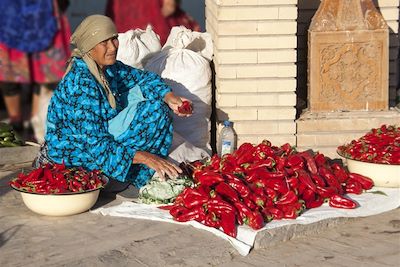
58, 179
380, 145
259, 183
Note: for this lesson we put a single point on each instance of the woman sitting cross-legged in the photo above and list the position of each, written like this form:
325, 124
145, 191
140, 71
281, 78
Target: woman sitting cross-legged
109, 116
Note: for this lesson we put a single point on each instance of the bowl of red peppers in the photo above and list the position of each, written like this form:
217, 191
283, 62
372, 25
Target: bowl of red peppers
55, 190
376, 155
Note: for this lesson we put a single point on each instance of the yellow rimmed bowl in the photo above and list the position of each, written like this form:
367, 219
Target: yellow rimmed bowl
65, 204
383, 175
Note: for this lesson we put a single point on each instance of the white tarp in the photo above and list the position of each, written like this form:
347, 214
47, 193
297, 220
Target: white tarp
370, 204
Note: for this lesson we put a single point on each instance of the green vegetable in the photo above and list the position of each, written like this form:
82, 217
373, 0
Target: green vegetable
163, 192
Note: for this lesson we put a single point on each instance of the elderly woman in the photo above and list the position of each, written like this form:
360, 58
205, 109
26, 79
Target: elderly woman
108, 116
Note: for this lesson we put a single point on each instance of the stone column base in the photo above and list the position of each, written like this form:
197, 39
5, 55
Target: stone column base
325, 131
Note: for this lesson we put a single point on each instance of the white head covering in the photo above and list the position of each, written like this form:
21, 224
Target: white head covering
93, 30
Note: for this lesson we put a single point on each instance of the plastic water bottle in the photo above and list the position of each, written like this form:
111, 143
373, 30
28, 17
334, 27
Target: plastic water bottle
227, 139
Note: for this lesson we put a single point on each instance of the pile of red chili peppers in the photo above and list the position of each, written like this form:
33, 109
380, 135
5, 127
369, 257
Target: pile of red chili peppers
259, 183
380, 145
57, 179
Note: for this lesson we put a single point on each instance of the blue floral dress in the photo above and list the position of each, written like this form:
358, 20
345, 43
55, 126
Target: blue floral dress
78, 115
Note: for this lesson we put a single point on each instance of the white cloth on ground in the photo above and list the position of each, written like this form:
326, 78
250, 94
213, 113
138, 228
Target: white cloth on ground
370, 204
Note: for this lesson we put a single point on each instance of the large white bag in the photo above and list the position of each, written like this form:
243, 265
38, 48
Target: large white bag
137, 46
183, 151
184, 64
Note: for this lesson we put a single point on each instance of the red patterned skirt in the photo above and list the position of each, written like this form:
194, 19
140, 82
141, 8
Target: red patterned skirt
42, 67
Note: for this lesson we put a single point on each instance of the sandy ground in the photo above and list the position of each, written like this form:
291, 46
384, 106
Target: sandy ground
28, 239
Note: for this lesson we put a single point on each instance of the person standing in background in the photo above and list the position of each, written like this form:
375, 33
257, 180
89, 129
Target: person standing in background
34, 49
175, 16
162, 15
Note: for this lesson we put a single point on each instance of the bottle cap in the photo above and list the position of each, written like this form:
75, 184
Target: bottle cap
227, 123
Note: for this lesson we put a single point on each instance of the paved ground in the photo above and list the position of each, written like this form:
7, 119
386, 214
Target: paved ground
27, 239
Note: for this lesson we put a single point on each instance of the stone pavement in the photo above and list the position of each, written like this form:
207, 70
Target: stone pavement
28, 239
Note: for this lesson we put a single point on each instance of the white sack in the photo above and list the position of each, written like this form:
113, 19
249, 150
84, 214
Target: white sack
184, 64
137, 46
183, 151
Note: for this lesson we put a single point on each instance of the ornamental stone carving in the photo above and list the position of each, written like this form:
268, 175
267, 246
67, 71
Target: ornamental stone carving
348, 57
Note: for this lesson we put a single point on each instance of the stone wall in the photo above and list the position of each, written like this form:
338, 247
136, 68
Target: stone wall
255, 64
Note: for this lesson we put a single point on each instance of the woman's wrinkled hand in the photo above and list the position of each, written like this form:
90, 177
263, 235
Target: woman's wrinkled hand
162, 166
179, 105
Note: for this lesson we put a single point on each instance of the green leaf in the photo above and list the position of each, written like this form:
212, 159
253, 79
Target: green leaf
378, 193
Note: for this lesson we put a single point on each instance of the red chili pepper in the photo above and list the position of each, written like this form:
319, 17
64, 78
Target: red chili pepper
192, 201
267, 163
227, 191
294, 160
305, 179
257, 188
212, 220
240, 187
287, 199
255, 220
267, 215
244, 154
311, 165
281, 162
244, 212
272, 175
271, 193
185, 107
320, 159
228, 223
263, 150
326, 192
308, 194
318, 180
177, 210
314, 203
248, 201
293, 182
340, 173
276, 184
301, 188
337, 201
258, 200
215, 162
253, 176
196, 214
290, 212
229, 164
218, 205
166, 207
353, 187
366, 182
287, 149
330, 178
275, 212
209, 178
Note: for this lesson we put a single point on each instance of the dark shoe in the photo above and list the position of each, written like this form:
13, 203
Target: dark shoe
17, 126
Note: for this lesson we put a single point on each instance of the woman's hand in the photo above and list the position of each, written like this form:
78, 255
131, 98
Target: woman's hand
176, 103
161, 166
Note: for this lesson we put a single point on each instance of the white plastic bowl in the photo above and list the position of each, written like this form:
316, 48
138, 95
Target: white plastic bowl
383, 175
60, 204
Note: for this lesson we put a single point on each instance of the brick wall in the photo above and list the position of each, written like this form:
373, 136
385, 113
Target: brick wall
255, 63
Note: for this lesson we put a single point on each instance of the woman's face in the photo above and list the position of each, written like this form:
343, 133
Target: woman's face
105, 53
168, 7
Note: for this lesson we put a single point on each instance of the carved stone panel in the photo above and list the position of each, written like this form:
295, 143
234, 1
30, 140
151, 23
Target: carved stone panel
348, 57
348, 74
